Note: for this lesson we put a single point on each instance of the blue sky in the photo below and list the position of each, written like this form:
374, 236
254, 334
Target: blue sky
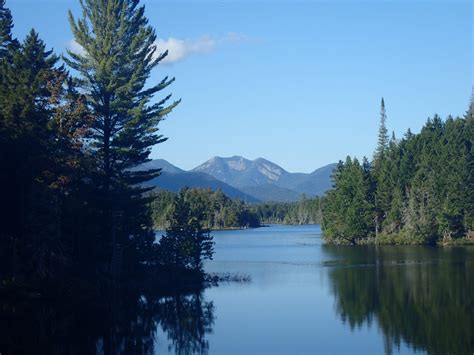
296, 82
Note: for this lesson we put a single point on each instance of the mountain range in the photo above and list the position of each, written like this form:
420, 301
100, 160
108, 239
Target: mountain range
249, 180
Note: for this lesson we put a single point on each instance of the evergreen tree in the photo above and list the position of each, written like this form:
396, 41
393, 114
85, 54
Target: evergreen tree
423, 187
347, 212
26, 157
7, 42
186, 243
382, 172
469, 185
383, 135
214, 209
119, 56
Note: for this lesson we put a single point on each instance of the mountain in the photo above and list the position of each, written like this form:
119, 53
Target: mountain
162, 164
270, 192
265, 180
173, 178
318, 182
240, 172
249, 180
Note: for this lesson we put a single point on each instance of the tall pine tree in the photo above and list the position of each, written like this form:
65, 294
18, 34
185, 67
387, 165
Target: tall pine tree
382, 172
119, 54
29, 232
7, 42
383, 133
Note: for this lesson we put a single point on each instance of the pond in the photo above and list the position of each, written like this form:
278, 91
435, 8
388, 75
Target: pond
305, 297
293, 295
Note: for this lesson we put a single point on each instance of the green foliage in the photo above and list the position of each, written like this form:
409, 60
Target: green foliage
383, 133
348, 210
222, 212
7, 42
75, 207
186, 243
214, 208
118, 57
418, 189
42, 123
305, 211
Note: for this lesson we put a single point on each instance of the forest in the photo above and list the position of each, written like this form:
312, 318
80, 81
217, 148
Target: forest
417, 190
214, 209
308, 210
219, 211
76, 213
76, 207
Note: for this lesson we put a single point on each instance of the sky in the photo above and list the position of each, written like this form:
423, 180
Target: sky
296, 82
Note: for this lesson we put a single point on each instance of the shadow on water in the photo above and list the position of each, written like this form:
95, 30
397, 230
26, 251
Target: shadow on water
118, 323
423, 297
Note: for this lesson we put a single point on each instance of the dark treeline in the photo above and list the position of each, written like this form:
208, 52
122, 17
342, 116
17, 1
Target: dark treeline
304, 211
214, 209
126, 322
75, 212
419, 189
218, 211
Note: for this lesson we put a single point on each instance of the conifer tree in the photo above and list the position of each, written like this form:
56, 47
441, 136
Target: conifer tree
186, 243
382, 172
119, 54
28, 233
424, 187
348, 211
469, 186
7, 42
383, 133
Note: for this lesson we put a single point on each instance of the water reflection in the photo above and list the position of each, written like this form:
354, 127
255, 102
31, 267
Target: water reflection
122, 323
423, 297
186, 319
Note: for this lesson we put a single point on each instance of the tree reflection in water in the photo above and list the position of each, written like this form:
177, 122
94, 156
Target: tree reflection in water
417, 295
122, 323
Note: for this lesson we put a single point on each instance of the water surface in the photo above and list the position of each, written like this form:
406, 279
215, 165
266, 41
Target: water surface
305, 297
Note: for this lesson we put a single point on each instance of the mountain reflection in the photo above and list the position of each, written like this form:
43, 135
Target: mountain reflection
122, 323
423, 297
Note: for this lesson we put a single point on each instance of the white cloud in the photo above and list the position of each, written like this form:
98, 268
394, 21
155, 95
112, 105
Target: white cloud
75, 47
179, 49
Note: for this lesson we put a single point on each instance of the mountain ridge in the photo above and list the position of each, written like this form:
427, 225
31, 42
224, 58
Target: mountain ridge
250, 180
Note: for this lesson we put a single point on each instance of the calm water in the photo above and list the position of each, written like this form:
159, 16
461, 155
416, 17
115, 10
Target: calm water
303, 297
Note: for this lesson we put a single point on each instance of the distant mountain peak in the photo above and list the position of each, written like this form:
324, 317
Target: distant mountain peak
239, 172
162, 164
258, 179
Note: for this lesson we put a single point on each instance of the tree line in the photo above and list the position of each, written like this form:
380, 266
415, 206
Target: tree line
305, 211
418, 189
74, 207
214, 208
218, 211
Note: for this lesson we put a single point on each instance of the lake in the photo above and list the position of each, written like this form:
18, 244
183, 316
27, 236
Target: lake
293, 295
305, 297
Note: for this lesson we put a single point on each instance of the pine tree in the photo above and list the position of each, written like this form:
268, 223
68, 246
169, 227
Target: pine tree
186, 243
383, 133
382, 172
119, 56
469, 186
7, 42
29, 232
348, 211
